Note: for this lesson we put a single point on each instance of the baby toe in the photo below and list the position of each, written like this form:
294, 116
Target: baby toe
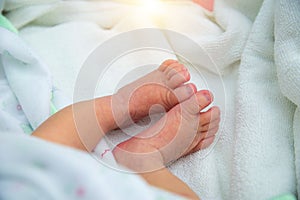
209, 126
176, 74
174, 69
166, 64
183, 92
178, 79
209, 116
198, 102
205, 143
210, 132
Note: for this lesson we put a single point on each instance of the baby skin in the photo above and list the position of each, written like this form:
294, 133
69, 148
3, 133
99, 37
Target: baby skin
184, 125
184, 129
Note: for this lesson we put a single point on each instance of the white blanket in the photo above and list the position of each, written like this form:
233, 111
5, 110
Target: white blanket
287, 61
32, 168
258, 146
263, 157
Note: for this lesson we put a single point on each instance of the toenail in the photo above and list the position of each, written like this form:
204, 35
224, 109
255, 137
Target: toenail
186, 73
190, 90
207, 95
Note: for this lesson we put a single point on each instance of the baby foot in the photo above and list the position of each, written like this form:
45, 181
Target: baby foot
164, 87
208, 127
181, 131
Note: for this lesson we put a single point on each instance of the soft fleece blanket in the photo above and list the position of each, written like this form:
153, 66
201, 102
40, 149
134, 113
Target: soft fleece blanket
256, 48
35, 169
32, 168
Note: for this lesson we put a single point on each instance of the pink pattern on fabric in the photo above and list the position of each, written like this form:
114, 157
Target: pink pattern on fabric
19, 107
105, 151
207, 4
18, 186
80, 191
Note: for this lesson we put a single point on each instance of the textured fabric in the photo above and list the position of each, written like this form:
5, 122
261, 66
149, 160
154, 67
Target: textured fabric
35, 169
21, 71
6, 24
264, 154
287, 61
284, 197
257, 152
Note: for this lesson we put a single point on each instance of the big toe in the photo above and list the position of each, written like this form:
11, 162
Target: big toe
181, 94
174, 73
198, 102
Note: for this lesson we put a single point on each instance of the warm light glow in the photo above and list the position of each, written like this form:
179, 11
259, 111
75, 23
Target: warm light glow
151, 6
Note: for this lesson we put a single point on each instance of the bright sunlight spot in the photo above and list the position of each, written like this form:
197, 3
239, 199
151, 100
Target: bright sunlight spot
151, 6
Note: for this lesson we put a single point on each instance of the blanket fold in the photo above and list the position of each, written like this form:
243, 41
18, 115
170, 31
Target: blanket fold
264, 156
287, 61
255, 45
